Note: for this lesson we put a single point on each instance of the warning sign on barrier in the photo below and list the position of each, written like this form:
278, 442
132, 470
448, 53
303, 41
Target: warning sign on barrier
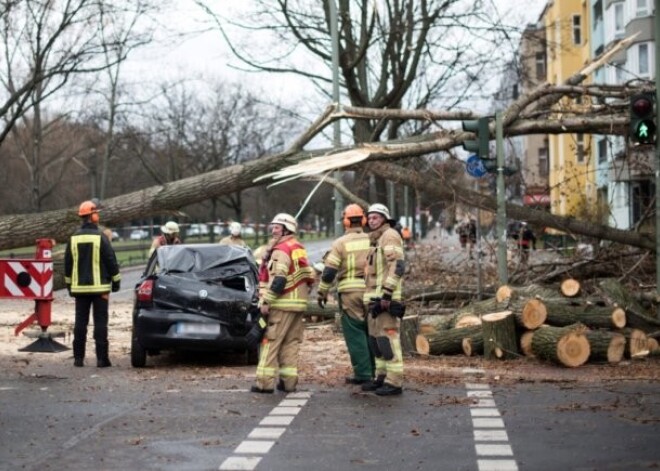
26, 279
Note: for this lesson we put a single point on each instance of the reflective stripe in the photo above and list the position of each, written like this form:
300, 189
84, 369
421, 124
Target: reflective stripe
289, 371
96, 286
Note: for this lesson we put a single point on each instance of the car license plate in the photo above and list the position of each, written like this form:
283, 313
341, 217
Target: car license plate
187, 328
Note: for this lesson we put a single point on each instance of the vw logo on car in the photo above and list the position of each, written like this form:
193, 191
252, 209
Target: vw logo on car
203, 294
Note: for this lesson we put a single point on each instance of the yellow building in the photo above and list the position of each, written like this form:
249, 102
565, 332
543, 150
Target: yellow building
572, 183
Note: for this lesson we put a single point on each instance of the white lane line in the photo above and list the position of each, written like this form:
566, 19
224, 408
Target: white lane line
254, 446
484, 412
7, 388
240, 463
262, 438
490, 436
488, 428
493, 450
285, 410
267, 432
497, 465
282, 420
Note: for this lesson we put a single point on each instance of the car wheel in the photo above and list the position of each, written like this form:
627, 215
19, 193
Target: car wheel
138, 354
253, 356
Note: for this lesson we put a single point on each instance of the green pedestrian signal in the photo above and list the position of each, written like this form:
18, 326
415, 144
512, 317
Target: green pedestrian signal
642, 118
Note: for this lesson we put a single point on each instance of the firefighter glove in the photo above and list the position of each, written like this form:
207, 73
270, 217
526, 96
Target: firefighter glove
375, 307
116, 286
256, 333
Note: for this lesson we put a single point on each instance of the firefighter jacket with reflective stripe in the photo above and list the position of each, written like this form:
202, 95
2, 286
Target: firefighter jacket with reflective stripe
383, 274
90, 264
289, 260
348, 255
231, 240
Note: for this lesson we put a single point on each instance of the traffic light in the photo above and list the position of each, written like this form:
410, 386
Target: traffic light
642, 118
480, 146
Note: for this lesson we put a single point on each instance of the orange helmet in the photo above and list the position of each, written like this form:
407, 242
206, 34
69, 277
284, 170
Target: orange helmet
353, 211
87, 208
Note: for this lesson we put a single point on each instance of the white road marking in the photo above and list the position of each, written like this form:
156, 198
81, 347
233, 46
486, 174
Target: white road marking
489, 427
240, 463
254, 446
264, 437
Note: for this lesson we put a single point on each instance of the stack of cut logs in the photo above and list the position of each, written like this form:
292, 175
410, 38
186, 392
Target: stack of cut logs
560, 325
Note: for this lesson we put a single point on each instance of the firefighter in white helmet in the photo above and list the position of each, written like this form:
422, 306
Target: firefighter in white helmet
234, 237
286, 277
169, 236
383, 300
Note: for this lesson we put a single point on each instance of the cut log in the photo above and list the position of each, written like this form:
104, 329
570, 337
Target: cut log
506, 292
637, 345
465, 320
606, 346
653, 345
533, 314
433, 323
566, 346
526, 343
637, 316
477, 308
473, 345
445, 342
594, 317
408, 333
499, 333
570, 287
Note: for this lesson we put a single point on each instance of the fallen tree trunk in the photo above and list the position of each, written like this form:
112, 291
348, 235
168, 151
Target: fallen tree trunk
637, 316
431, 324
570, 287
595, 317
445, 342
529, 313
473, 345
637, 345
566, 346
408, 333
526, 343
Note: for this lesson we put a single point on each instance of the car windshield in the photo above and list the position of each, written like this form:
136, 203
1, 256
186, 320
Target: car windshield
206, 260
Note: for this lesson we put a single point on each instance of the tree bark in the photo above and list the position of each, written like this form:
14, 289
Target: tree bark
566, 346
637, 316
605, 346
473, 345
499, 334
445, 342
595, 317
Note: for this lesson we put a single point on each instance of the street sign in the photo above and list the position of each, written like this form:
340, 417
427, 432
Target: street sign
475, 167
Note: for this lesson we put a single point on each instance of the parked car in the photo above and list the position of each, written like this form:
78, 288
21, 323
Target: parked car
199, 297
139, 234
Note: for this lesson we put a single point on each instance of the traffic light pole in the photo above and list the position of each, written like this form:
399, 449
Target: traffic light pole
501, 202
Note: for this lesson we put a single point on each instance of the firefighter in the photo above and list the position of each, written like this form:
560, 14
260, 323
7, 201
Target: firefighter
169, 236
234, 237
345, 262
287, 278
90, 273
382, 298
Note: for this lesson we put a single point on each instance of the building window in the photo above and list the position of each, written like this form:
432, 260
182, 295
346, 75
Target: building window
602, 151
577, 32
641, 8
643, 58
544, 167
540, 66
580, 148
619, 23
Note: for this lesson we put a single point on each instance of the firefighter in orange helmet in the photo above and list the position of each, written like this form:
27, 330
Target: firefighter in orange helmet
90, 273
286, 277
345, 263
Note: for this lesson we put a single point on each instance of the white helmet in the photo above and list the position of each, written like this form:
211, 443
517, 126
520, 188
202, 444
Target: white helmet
380, 209
235, 229
287, 221
170, 227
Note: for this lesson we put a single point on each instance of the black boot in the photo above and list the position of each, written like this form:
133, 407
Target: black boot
77, 361
257, 389
388, 390
375, 384
103, 363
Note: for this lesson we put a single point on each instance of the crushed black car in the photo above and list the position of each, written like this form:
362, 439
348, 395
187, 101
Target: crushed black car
195, 297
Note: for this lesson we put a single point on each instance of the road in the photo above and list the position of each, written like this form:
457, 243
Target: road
197, 414
135, 420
